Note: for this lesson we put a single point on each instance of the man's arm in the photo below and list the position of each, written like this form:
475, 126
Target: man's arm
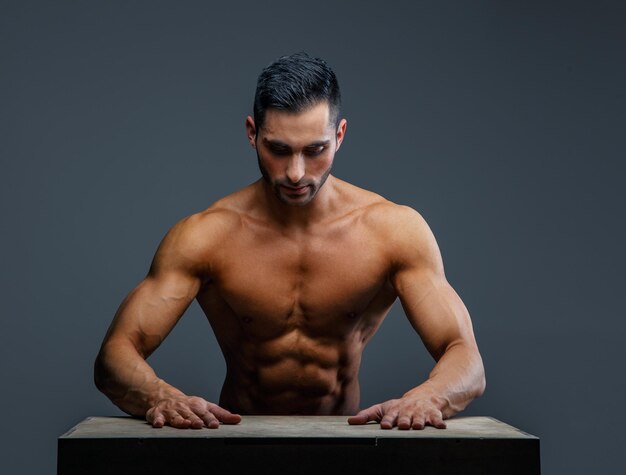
142, 322
443, 323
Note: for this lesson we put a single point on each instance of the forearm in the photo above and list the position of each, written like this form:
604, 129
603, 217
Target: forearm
457, 379
123, 375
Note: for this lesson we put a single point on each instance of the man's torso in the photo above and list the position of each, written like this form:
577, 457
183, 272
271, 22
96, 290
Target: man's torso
293, 309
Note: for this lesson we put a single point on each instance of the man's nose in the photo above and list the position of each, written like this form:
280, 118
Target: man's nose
295, 168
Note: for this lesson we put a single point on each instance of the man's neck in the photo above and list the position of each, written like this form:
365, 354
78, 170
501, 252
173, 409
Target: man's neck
299, 217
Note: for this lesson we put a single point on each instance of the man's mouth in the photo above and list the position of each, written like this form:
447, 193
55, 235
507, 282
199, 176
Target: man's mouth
295, 190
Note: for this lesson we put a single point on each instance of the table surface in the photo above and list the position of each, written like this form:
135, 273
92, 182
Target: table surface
293, 427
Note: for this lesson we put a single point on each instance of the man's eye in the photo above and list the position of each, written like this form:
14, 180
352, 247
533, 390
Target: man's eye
280, 151
315, 150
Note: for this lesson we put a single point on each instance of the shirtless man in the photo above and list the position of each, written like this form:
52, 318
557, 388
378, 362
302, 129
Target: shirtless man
295, 274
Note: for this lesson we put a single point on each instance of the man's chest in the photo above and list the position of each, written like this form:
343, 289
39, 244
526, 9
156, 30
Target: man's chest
271, 278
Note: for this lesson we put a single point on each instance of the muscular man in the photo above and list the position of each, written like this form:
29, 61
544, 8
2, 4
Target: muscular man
295, 273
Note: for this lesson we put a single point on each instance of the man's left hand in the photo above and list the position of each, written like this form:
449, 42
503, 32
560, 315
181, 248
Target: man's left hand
405, 413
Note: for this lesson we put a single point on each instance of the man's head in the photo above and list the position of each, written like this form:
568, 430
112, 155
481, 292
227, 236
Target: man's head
295, 129
295, 83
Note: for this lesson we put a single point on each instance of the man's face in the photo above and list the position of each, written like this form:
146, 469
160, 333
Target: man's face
296, 151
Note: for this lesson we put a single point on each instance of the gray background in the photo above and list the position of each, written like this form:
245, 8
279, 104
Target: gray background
501, 122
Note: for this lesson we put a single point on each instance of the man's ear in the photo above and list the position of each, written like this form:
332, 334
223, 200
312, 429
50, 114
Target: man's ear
251, 131
341, 132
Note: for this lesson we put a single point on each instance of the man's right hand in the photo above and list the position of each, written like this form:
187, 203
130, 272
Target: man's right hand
189, 412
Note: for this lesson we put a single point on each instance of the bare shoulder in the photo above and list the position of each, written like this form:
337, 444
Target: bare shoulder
389, 217
382, 215
404, 232
191, 242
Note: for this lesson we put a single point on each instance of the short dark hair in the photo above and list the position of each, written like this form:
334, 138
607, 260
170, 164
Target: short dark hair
294, 83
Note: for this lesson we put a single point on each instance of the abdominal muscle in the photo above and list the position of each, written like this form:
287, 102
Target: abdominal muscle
292, 374
289, 360
294, 353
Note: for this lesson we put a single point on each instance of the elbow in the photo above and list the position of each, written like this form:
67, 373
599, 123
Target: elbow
101, 372
98, 373
482, 385
481, 381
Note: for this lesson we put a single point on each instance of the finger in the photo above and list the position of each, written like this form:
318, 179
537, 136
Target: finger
191, 411
361, 417
211, 414
200, 407
195, 421
436, 420
389, 420
224, 415
154, 417
158, 421
210, 420
191, 420
404, 422
372, 413
174, 419
418, 422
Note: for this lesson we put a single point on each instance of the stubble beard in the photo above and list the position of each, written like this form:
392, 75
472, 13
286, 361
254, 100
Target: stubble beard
275, 185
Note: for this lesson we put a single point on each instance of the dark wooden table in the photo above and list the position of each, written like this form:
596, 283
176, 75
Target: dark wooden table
298, 445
